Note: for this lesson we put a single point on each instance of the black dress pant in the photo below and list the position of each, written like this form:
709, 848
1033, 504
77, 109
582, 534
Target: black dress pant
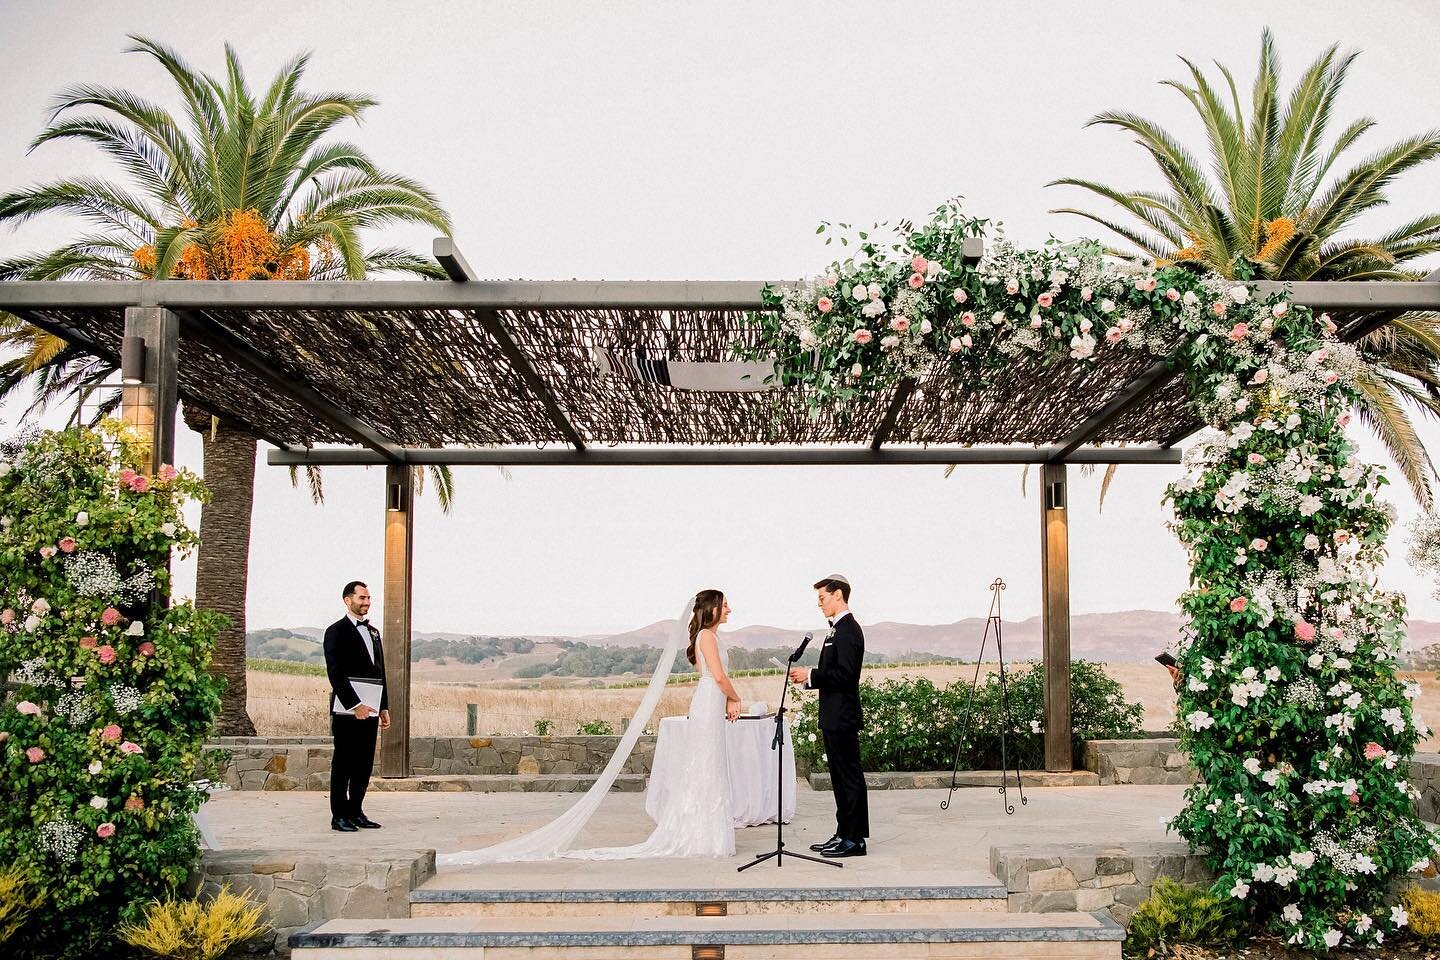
353, 761
847, 779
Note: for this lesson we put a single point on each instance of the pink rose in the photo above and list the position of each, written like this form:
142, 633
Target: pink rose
1304, 632
1320, 356
955, 345
106, 654
47, 552
1255, 459
1329, 324
1172, 294
28, 708
126, 475
1259, 545
1045, 299
111, 733
1113, 335
967, 318
167, 472
900, 324
825, 304
1036, 324
140, 483
1331, 378
88, 643
110, 617
67, 544
966, 341
34, 754
1354, 799
1343, 419
1238, 605
7, 616
1342, 536
131, 748
147, 649
1012, 287
4, 735
1261, 376
1087, 294
862, 336
961, 296
1373, 751
1218, 308
1239, 332
919, 264
1279, 310
917, 280
105, 831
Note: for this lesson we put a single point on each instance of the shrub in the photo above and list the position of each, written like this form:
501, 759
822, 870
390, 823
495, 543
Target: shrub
596, 728
911, 724
192, 930
1178, 913
1423, 906
114, 700
543, 727
17, 902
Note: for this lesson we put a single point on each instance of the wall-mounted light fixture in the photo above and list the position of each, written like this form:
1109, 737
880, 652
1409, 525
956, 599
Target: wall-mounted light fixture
132, 361
394, 497
1055, 495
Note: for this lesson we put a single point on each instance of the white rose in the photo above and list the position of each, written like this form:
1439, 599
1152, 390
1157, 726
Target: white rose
169, 528
859, 292
41, 606
4, 467
890, 342
136, 629
1312, 542
807, 339
856, 370
1107, 306
955, 344
1240, 293
1252, 766
1190, 298
95, 767
32, 623
925, 326
874, 291
98, 803
82, 518
997, 318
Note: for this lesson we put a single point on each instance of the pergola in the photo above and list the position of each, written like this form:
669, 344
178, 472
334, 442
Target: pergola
406, 373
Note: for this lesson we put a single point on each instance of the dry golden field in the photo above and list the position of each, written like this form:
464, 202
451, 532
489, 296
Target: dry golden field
285, 705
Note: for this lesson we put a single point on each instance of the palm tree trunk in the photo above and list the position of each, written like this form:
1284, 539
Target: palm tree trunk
224, 561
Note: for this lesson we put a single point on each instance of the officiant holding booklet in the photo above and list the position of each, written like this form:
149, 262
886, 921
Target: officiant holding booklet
359, 707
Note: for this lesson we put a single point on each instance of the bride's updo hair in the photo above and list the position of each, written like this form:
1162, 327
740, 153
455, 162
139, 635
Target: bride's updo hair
705, 616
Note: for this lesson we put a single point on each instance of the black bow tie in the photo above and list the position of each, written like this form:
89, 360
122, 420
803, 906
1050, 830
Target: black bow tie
830, 623
362, 623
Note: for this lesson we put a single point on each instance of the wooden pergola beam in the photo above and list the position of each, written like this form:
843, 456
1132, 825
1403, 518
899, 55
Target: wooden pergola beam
1055, 616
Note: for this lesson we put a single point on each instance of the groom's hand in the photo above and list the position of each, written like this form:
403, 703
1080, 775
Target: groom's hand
799, 674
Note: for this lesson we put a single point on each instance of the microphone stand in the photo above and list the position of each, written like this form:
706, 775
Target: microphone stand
778, 745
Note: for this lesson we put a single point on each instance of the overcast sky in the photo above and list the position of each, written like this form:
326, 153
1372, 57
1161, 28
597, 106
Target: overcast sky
706, 141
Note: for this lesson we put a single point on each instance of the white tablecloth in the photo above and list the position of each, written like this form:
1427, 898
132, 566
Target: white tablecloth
752, 769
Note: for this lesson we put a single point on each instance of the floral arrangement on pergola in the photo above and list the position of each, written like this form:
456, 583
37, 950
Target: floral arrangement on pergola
1294, 716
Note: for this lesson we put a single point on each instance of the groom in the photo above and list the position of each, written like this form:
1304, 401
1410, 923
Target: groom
837, 677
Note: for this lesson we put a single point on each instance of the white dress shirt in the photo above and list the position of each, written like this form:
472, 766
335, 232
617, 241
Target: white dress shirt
364, 635
842, 615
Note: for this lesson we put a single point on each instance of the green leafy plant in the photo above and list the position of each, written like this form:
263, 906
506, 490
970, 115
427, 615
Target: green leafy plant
100, 745
595, 728
543, 727
196, 929
1180, 914
912, 724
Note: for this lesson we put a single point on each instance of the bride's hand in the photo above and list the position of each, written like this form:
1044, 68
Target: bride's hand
732, 709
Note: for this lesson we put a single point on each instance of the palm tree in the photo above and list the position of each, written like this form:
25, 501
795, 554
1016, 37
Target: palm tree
239, 187
1270, 208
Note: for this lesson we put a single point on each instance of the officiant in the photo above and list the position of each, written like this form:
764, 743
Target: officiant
359, 707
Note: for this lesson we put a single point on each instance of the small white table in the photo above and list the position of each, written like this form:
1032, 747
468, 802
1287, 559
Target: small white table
752, 768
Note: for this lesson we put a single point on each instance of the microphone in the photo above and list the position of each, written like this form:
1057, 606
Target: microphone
800, 650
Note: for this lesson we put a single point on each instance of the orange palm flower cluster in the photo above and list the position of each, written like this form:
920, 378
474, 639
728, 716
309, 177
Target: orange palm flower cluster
239, 246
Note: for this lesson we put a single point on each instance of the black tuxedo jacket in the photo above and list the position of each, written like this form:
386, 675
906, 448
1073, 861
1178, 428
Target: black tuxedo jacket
837, 677
345, 657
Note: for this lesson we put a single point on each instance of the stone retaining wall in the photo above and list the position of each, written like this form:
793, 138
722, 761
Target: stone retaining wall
1087, 877
1156, 760
940, 780
302, 889
303, 763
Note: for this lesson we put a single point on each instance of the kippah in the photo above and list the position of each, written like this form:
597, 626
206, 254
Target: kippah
839, 578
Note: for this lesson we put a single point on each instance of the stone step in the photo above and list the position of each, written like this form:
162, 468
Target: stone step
505, 782
953, 935
940, 779
435, 900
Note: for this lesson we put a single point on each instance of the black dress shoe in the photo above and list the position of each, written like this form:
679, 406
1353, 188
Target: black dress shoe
817, 847
343, 825
845, 848
364, 821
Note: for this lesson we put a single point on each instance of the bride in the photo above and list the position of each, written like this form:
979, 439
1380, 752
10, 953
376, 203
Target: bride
695, 819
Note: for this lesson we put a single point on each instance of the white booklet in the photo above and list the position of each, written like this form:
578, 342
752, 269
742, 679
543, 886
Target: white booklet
369, 693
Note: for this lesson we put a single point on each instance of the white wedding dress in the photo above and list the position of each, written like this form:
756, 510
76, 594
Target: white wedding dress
695, 819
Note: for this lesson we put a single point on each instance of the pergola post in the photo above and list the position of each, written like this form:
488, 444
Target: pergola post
1055, 615
399, 561
149, 390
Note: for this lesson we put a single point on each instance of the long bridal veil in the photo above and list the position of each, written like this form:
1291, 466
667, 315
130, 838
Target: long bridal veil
551, 840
